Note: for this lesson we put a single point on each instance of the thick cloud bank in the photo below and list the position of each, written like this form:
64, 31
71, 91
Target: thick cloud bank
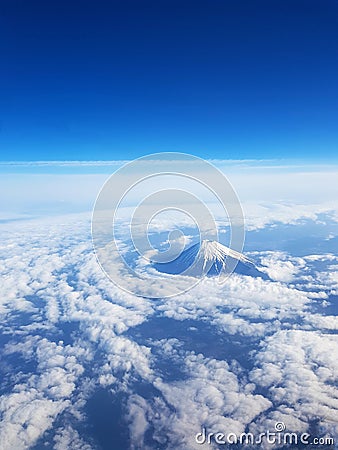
235, 357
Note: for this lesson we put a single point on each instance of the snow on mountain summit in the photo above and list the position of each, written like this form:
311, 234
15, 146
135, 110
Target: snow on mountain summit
214, 251
209, 257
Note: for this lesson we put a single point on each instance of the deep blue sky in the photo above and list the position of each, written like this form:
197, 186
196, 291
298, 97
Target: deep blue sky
114, 80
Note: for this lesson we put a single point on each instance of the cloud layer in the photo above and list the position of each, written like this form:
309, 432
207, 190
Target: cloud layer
68, 331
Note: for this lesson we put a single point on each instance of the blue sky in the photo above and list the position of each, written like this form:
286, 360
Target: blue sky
219, 79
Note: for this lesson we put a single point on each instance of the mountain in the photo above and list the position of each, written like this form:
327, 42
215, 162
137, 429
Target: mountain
209, 257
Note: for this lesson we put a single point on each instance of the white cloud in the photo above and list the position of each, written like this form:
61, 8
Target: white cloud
300, 371
67, 438
211, 396
26, 415
243, 305
138, 422
280, 266
50, 275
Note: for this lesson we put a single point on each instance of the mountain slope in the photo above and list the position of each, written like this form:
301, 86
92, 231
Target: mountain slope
209, 257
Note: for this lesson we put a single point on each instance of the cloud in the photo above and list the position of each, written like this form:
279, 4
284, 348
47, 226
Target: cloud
280, 266
295, 190
243, 305
67, 438
51, 276
36, 400
299, 369
26, 415
322, 322
138, 421
210, 396
69, 329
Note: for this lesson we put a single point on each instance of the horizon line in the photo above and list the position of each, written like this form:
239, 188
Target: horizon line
103, 162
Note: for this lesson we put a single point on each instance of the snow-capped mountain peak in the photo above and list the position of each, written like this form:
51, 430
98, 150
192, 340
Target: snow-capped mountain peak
209, 257
215, 252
